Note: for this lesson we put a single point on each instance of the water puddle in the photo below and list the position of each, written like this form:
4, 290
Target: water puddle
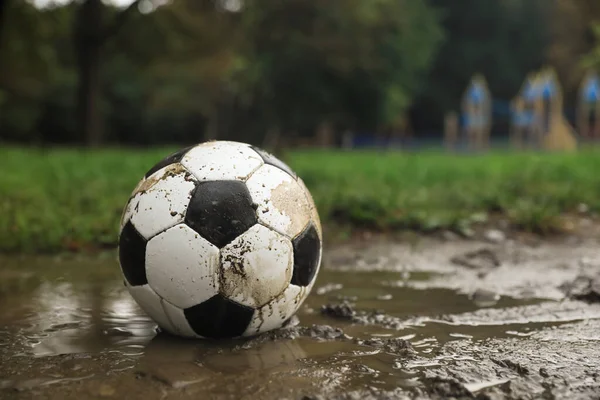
69, 319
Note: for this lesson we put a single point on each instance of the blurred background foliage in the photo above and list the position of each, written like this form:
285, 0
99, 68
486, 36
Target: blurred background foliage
282, 74
270, 71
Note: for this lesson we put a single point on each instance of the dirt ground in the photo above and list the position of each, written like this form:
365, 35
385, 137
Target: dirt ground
494, 318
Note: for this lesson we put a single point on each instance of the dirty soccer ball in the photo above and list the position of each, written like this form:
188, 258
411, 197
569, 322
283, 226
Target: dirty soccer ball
220, 240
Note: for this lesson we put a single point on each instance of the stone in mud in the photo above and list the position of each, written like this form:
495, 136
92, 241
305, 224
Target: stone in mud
518, 368
322, 332
378, 318
478, 259
325, 332
583, 208
446, 388
584, 287
484, 298
397, 346
466, 231
450, 236
339, 311
494, 236
291, 332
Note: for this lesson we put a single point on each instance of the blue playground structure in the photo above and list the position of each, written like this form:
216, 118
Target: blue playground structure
591, 90
588, 114
472, 116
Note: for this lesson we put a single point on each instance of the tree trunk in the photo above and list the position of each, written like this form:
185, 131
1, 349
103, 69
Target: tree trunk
324, 134
88, 43
3, 12
88, 105
89, 35
3, 8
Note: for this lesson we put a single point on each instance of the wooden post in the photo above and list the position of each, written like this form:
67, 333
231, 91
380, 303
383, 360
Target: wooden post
588, 107
325, 134
451, 130
519, 123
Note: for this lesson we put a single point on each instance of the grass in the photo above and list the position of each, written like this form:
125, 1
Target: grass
61, 199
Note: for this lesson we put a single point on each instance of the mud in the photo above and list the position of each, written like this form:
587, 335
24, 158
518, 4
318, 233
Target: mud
584, 287
434, 319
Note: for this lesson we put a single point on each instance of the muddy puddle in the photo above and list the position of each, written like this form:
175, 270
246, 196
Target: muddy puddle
448, 319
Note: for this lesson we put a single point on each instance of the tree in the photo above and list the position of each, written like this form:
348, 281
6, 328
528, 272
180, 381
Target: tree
29, 65
591, 60
353, 62
197, 62
198, 69
90, 35
572, 37
3, 7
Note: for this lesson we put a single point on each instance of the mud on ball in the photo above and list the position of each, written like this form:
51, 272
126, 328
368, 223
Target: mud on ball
220, 240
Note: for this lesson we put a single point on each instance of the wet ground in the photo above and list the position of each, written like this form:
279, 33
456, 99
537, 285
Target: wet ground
442, 319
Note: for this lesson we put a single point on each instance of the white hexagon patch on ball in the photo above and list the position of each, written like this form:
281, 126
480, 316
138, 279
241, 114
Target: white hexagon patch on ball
220, 240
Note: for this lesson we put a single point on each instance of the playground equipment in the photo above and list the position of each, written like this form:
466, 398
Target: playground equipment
477, 113
526, 127
537, 116
588, 107
557, 133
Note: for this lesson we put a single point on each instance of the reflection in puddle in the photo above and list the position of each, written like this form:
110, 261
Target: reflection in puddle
81, 307
88, 318
37, 382
76, 313
164, 349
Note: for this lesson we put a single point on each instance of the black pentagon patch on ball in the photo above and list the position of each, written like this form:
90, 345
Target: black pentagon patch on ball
270, 159
220, 211
132, 255
171, 159
219, 317
307, 248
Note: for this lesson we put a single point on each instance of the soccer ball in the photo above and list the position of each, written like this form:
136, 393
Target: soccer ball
220, 240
